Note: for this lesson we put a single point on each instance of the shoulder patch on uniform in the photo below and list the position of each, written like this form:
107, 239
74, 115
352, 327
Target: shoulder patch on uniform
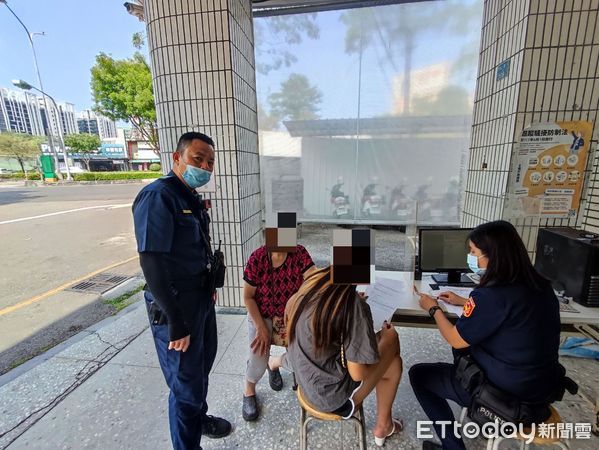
469, 307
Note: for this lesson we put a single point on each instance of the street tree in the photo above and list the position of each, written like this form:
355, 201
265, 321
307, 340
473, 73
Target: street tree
20, 146
84, 144
296, 100
274, 36
122, 90
395, 30
266, 121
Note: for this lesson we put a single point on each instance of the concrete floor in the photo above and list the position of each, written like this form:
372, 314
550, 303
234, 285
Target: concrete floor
104, 390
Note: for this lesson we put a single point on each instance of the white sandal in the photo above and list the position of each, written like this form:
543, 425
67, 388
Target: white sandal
381, 441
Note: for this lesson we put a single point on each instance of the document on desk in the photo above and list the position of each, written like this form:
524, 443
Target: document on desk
461, 291
383, 298
457, 310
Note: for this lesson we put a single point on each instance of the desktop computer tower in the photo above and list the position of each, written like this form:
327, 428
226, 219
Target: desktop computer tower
569, 258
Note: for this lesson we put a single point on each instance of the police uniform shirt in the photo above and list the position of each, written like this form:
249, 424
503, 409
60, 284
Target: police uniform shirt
169, 219
513, 333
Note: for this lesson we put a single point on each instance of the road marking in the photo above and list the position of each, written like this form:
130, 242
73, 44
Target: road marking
87, 208
124, 205
62, 287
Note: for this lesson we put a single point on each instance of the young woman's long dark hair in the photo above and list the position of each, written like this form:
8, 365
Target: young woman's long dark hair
508, 259
333, 308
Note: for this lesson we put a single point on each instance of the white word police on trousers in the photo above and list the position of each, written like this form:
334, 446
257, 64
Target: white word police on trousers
507, 430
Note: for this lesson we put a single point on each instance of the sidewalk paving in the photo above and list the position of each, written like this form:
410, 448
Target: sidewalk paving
103, 389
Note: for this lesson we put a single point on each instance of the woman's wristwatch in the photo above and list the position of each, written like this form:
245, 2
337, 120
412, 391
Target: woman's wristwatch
433, 309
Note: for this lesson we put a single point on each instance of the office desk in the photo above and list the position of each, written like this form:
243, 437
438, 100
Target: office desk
410, 314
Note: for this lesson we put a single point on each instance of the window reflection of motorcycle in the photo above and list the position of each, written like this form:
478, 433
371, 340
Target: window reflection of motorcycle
339, 201
424, 203
372, 201
400, 204
451, 199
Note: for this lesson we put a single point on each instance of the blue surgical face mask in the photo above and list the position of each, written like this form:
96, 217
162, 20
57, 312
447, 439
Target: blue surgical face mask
473, 264
196, 177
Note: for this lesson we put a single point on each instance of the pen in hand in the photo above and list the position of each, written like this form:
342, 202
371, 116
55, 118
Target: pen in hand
436, 297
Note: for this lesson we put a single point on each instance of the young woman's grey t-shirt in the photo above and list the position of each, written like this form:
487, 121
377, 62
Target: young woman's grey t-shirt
325, 383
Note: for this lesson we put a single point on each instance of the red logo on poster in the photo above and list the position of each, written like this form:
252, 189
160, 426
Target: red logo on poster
469, 307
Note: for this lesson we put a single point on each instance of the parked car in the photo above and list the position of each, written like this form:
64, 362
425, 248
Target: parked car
5, 171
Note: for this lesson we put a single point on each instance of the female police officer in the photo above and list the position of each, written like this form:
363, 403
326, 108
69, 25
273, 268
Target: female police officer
510, 325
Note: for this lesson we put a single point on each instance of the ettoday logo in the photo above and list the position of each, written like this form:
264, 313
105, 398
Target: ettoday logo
506, 430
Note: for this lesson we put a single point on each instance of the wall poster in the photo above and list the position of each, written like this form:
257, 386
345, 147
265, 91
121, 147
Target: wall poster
550, 164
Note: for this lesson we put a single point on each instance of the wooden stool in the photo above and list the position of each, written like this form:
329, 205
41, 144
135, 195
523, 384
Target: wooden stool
553, 419
309, 413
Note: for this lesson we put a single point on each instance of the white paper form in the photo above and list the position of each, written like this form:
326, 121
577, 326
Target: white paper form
455, 309
383, 298
461, 291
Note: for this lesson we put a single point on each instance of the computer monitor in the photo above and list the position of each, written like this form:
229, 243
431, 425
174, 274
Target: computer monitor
445, 250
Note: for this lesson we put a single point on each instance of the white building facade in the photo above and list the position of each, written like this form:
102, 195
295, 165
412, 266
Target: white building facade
90, 122
20, 112
64, 117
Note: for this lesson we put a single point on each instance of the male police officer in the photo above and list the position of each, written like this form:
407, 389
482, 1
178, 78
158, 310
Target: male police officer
171, 227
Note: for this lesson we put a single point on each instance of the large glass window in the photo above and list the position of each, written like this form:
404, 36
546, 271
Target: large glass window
365, 113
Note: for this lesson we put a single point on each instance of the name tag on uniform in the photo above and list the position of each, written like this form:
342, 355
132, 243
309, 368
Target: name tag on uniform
186, 211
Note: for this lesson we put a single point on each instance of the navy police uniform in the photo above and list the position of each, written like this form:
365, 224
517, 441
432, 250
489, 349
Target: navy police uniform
513, 333
171, 228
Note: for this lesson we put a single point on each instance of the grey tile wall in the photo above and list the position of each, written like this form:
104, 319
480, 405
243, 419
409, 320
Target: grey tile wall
202, 60
553, 49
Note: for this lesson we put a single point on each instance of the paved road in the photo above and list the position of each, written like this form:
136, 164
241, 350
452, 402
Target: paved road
41, 253
50, 237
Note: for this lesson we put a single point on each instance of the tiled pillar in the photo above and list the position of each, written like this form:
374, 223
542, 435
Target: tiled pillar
553, 51
202, 56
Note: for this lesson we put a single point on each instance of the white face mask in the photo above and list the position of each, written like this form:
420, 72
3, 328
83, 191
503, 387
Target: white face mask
473, 263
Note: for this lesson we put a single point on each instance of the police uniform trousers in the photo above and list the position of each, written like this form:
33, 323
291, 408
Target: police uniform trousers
433, 385
186, 373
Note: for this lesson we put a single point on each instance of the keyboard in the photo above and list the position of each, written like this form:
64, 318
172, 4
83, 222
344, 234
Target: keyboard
566, 307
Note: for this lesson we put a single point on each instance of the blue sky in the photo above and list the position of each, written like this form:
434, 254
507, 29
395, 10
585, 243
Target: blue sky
76, 31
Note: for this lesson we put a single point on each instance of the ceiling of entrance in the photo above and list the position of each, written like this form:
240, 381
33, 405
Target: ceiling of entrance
264, 8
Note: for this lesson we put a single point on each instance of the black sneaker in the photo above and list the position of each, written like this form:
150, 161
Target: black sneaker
275, 380
249, 409
431, 445
215, 427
